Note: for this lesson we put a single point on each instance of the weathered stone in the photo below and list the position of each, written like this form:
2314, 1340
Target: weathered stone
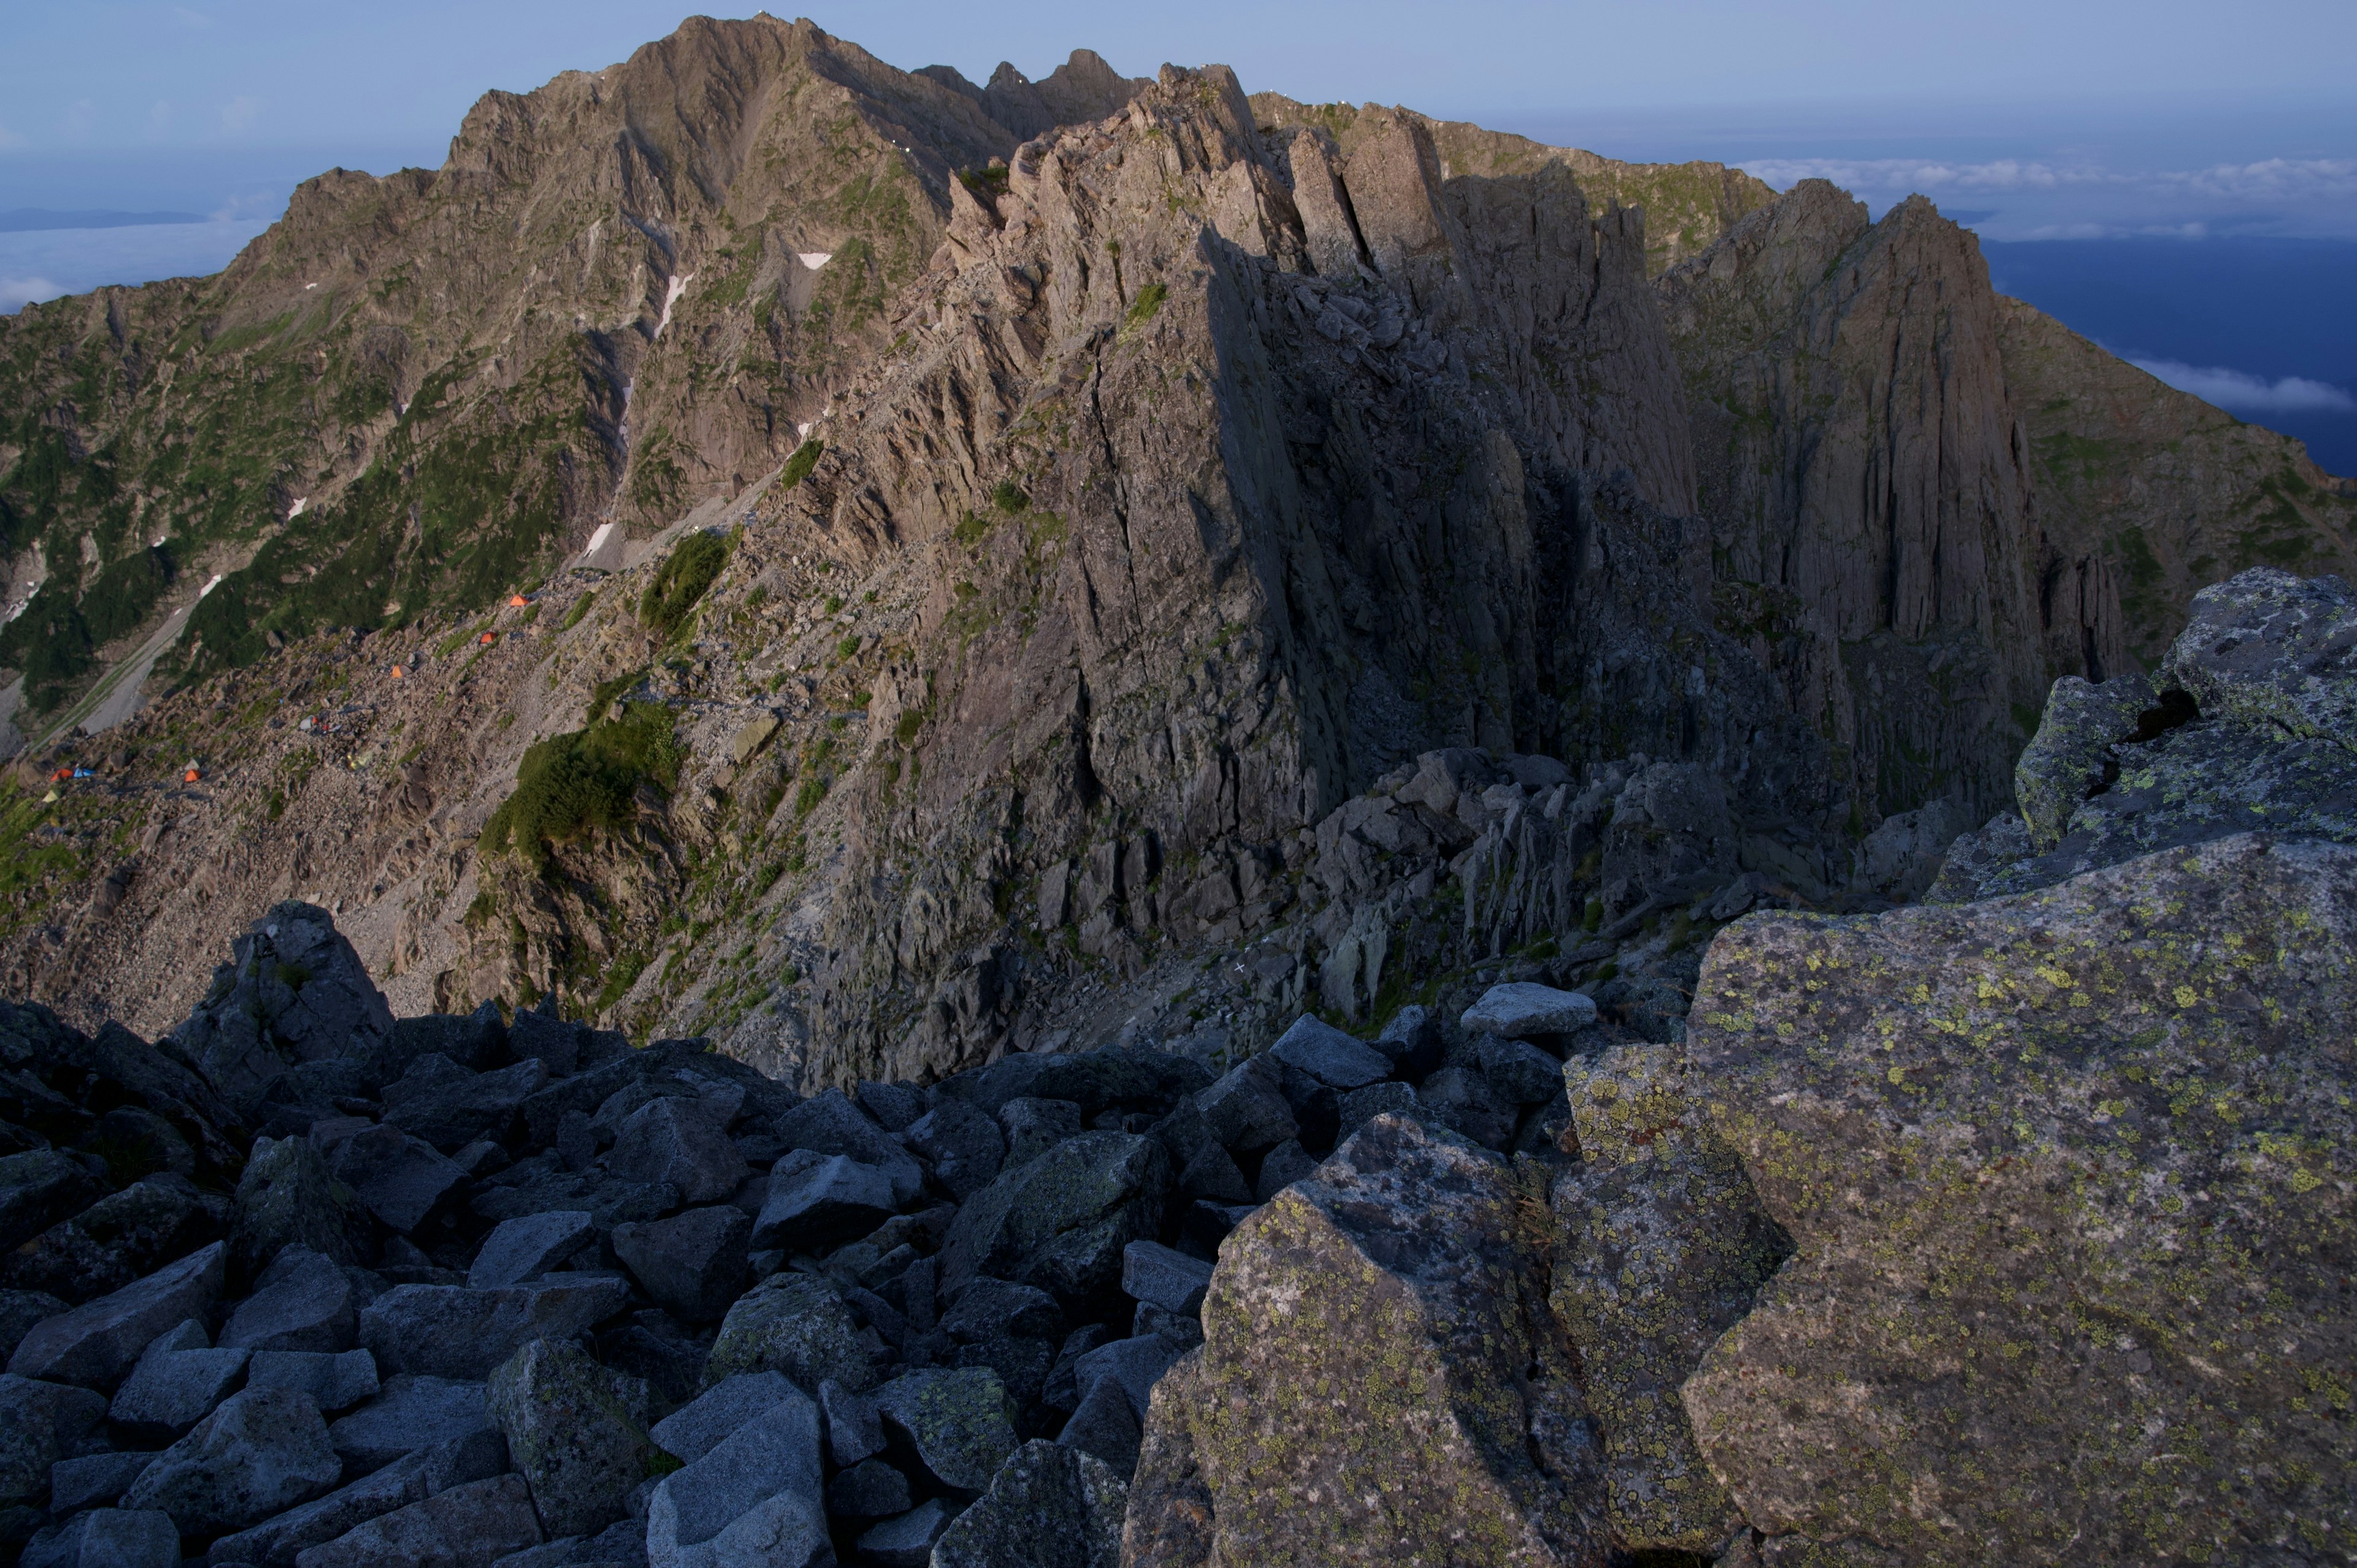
411, 1414
1357, 1108
815, 1201
682, 1142
279, 1541
39, 1424
965, 1144
335, 1381
986, 1307
2272, 654
756, 1497
576, 1432
2064, 761
1106, 1423
1671, 833
93, 1480
262, 1452
302, 1302
1662, 1245
1060, 1221
1132, 1365
1519, 1072
1329, 1056
398, 1178
907, 1540
1049, 1507
868, 1489
1246, 1110
1412, 1042
957, 1421
19, 1310
1211, 1173
450, 1106
830, 1123
292, 991
1164, 1277
696, 1428
1374, 1384
2093, 1139
1034, 1126
792, 1324
289, 1199
477, 1042
452, 1331
692, 1264
37, 1188
119, 1237
108, 1538
1280, 1168
1520, 1009
525, 1248
854, 1427
96, 1343
470, 1526
178, 1380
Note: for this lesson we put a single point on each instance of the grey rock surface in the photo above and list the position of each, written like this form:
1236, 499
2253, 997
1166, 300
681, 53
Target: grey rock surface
1062, 1221
1329, 1056
335, 1381
1520, 1009
815, 1201
411, 1414
40, 1423
1164, 1276
94, 1345
526, 1247
795, 1325
292, 991
1049, 1507
691, 1264
178, 1382
680, 1143
398, 1178
287, 1198
452, 1331
302, 1302
93, 1480
757, 1496
965, 1144
576, 1432
956, 1421
907, 1540
469, 1526
698, 1427
260, 1452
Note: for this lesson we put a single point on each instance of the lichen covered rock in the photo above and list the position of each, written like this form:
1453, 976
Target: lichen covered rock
2073, 1179
577, 1431
1379, 1381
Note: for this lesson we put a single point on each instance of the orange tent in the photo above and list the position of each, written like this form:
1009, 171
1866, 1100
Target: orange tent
490, 637
190, 777
396, 671
517, 601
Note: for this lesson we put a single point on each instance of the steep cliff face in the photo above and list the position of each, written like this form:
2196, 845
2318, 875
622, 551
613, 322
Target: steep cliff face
619, 293
1868, 486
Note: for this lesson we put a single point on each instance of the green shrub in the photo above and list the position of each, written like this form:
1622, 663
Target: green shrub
798, 466
691, 569
572, 783
1009, 497
848, 647
1142, 309
580, 607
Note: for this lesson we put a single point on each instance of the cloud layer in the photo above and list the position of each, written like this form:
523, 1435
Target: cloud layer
2238, 393
2055, 200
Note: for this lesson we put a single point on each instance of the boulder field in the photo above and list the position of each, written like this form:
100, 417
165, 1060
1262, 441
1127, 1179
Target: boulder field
2012, 1225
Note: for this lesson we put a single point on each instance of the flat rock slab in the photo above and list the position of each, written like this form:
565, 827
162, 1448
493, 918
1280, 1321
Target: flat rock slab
576, 1432
412, 1413
2067, 1173
755, 1497
302, 1302
692, 1264
95, 1345
522, 1248
471, 1526
1334, 1058
177, 1382
95, 1478
452, 1331
696, 1428
335, 1383
816, 1201
1522, 1008
1164, 1277
262, 1452
795, 1325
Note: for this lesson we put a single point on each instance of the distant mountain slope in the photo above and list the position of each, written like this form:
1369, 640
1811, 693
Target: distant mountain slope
619, 292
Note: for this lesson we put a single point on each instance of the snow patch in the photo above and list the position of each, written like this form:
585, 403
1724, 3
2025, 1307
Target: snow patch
813, 259
296, 509
605, 531
671, 296
208, 587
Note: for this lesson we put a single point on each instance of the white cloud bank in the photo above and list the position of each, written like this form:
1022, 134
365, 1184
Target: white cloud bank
16, 293
2240, 392
2271, 179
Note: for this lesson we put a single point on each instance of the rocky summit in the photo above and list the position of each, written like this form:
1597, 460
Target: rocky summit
816, 815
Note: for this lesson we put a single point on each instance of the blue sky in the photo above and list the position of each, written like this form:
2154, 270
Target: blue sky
2158, 120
